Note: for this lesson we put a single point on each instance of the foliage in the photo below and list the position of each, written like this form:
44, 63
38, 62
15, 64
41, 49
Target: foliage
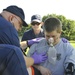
24, 29
68, 26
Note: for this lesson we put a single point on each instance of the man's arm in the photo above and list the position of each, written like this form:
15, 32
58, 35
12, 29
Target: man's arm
29, 61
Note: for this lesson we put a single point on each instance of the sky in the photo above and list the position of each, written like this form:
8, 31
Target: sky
43, 7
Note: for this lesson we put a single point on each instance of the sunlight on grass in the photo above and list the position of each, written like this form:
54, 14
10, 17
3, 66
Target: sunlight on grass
27, 50
72, 43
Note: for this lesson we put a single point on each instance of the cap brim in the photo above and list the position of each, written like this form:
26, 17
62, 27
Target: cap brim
36, 20
25, 24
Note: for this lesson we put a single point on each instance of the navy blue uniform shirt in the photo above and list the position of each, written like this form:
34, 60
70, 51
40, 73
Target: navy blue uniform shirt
8, 34
11, 61
28, 35
11, 58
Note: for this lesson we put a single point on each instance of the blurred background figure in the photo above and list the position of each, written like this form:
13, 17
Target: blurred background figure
36, 31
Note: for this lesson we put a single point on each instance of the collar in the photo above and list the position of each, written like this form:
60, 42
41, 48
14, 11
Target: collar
1, 15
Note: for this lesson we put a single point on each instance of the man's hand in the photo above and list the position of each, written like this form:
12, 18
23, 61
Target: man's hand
39, 58
32, 41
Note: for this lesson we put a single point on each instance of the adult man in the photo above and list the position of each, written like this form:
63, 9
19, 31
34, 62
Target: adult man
64, 55
11, 21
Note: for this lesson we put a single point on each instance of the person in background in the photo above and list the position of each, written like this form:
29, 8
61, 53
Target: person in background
34, 34
12, 61
63, 61
36, 31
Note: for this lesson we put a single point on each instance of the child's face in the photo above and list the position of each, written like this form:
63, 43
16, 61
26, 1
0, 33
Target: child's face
54, 34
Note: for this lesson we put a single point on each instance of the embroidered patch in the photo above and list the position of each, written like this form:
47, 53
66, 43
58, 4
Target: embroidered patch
58, 56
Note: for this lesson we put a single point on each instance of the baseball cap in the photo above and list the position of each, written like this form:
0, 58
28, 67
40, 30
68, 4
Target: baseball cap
18, 12
36, 18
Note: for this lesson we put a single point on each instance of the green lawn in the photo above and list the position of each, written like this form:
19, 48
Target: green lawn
72, 43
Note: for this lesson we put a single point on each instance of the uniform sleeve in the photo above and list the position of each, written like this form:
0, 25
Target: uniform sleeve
70, 55
12, 61
8, 34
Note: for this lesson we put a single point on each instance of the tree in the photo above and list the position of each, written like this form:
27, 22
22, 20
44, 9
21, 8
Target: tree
68, 26
24, 29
